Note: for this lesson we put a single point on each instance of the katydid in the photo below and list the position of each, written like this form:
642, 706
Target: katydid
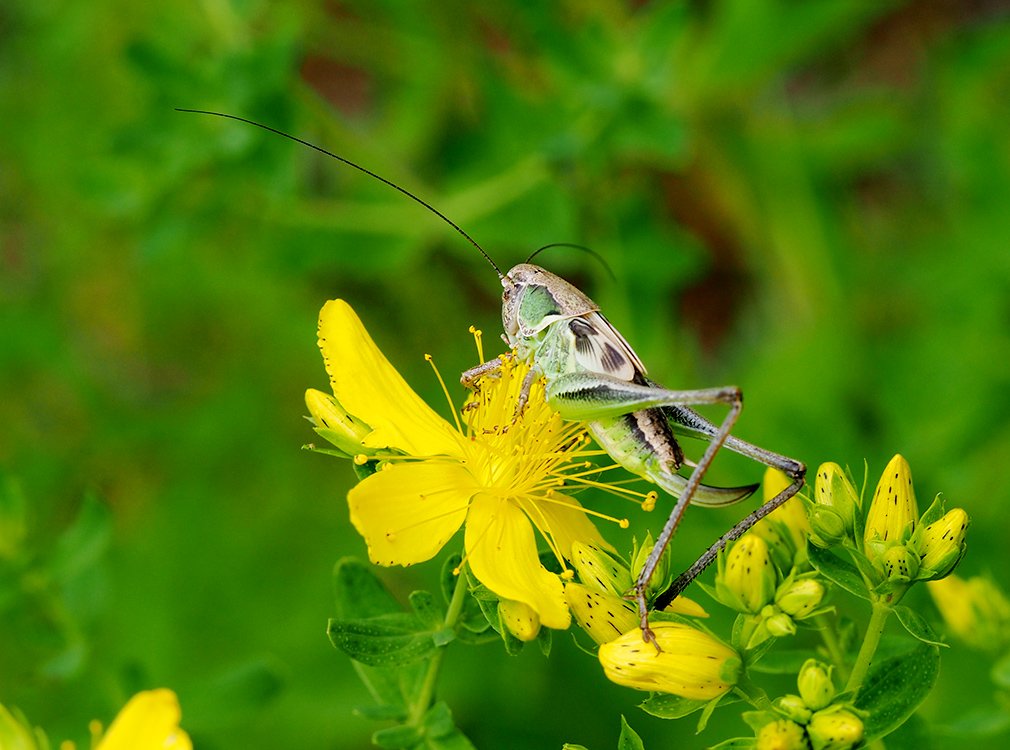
592, 375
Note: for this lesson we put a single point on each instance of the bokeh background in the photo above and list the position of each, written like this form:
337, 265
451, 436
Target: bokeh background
809, 200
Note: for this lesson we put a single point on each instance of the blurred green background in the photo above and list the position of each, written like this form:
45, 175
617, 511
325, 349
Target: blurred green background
808, 200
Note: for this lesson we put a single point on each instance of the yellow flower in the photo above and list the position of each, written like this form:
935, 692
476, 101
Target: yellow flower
498, 473
149, 721
943, 545
975, 610
691, 664
893, 512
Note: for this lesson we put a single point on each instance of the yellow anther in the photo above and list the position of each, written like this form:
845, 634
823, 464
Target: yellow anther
649, 504
567, 574
623, 523
428, 358
361, 459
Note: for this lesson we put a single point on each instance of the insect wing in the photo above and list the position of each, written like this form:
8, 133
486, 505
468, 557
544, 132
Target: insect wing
600, 348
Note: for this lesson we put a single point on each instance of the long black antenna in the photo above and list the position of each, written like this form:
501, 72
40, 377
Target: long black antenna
358, 167
583, 248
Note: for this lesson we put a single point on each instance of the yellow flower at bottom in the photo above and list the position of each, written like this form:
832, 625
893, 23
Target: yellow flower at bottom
498, 472
691, 664
149, 721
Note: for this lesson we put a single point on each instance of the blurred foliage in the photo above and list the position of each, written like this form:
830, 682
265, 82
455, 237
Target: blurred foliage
807, 200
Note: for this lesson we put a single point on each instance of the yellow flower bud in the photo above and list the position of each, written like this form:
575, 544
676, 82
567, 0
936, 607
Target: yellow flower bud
893, 512
684, 606
835, 729
832, 488
336, 425
900, 564
782, 734
790, 515
815, 684
691, 664
599, 570
748, 577
603, 616
520, 619
942, 544
794, 707
799, 598
975, 610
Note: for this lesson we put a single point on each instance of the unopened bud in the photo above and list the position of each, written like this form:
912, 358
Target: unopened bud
604, 617
520, 619
781, 734
815, 684
828, 527
835, 729
900, 564
334, 424
799, 598
599, 570
748, 577
794, 708
661, 576
833, 489
893, 512
943, 544
778, 623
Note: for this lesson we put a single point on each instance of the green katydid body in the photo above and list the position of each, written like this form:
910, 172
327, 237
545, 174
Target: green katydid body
584, 360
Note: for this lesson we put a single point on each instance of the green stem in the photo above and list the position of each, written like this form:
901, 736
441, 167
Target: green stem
427, 691
878, 618
828, 635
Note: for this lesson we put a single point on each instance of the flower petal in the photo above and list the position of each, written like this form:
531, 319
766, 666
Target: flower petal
502, 552
408, 511
368, 387
563, 519
149, 721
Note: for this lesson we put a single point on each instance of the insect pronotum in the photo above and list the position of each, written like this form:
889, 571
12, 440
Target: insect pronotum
591, 374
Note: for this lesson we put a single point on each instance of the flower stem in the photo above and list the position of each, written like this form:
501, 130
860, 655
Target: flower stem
878, 618
427, 690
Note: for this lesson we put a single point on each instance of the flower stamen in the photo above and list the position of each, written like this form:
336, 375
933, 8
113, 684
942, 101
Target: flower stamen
452, 407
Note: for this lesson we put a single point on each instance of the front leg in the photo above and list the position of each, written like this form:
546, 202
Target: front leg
470, 377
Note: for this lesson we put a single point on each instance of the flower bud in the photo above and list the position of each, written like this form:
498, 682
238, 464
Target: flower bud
794, 708
790, 515
942, 545
900, 564
827, 526
520, 619
815, 684
604, 617
835, 729
833, 489
778, 623
599, 570
975, 610
893, 512
691, 664
335, 425
748, 576
661, 576
799, 598
781, 734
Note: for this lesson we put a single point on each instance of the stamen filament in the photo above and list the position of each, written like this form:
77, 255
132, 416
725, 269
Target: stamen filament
452, 407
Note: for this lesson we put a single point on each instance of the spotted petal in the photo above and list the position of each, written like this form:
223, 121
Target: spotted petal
408, 511
367, 386
502, 552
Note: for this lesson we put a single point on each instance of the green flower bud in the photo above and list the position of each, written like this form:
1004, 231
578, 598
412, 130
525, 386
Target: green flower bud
815, 684
779, 624
661, 577
828, 527
799, 598
691, 664
335, 425
748, 576
942, 545
600, 570
893, 512
900, 564
833, 489
603, 616
794, 708
781, 735
521, 620
835, 729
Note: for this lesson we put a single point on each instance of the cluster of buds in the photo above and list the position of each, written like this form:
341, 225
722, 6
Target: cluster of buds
765, 576
684, 661
894, 546
813, 719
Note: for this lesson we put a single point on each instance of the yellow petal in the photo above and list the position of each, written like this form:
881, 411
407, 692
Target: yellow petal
149, 721
563, 519
367, 386
502, 552
408, 511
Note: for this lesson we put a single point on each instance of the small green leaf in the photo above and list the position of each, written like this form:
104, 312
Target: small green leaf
544, 640
440, 731
397, 738
570, 746
784, 661
895, 687
838, 571
385, 640
629, 739
382, 712
757, 719
737, 743
917, 625
428, 612
365, 470
666, 706
358, 591
933, 513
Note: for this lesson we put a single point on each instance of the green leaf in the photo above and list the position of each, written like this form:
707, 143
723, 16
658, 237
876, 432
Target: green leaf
666, 706
428, 612
838, 571
544, 639
780, 661
914, 734
570, 746
933, 513
917, 625
397, 738
629, 739
440, 731
381, 712
737, 743
384, 640
358, 591
895, 687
